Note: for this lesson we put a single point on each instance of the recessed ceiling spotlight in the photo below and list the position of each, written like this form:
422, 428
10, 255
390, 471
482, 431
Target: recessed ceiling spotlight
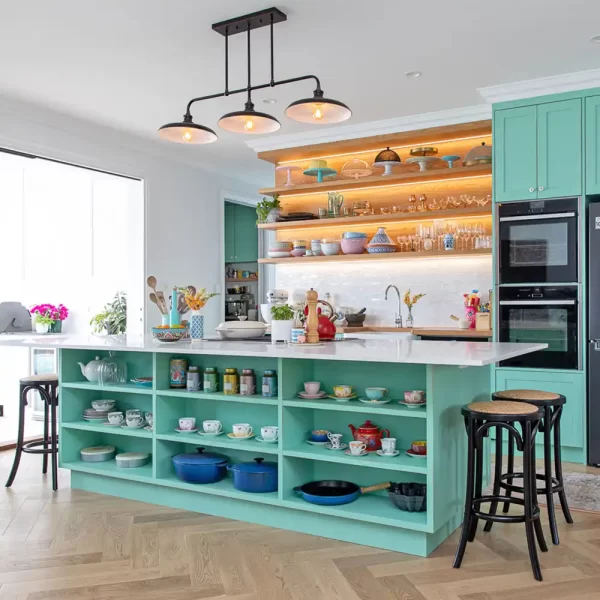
270, 100
595, 39
413, 74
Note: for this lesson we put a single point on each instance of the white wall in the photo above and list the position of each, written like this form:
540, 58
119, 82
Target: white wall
183, 201
363, 284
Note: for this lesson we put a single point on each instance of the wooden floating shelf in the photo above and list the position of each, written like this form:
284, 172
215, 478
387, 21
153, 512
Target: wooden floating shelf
359, 257
235, 280
334, 185
455, 213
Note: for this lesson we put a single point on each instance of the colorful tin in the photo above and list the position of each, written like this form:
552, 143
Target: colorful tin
211, 380
269, 384
247, 383
231, 382
178, 368
193, 379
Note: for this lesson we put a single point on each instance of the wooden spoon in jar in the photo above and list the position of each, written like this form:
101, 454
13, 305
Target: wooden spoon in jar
154, 299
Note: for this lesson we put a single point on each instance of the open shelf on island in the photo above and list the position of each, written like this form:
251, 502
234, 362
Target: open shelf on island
182, 393
128, 388
110, 469
102, 428
220, 441
392, 408
391, 256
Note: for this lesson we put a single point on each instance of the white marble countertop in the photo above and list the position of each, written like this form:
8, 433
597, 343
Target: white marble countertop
387, 350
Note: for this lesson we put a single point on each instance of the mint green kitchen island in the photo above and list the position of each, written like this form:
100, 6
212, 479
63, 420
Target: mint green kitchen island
451, 373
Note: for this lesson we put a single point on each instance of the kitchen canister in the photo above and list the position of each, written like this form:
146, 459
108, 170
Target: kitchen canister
97, 453
196, 325
269, 384
231, 382
210, 380
448, 242
247, 383
130, 460
193, 379
178, 368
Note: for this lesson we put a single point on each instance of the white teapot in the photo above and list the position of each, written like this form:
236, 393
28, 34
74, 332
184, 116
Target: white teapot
91, 371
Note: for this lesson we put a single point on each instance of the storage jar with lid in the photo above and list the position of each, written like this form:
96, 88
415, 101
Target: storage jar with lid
200, 466
112, 370
257, 476
193, 379
231, 382
211, 380
269, 384
178, 372
247, 383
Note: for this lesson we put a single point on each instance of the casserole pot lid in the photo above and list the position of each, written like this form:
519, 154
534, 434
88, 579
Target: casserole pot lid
200, 458
257, 466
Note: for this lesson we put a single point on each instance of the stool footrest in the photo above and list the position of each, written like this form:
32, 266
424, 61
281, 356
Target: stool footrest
32, 447
556, 485
502, 517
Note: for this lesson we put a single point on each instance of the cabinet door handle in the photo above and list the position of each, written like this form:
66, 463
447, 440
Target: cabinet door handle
531, 190
541, 188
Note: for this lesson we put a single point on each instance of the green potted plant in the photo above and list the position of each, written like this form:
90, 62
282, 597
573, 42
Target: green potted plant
268, 209
43, 323
282, 322
112, 319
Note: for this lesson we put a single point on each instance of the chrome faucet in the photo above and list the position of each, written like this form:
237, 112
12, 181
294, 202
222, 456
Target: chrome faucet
398, 318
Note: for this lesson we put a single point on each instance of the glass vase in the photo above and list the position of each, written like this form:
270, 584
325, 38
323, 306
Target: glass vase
410, 322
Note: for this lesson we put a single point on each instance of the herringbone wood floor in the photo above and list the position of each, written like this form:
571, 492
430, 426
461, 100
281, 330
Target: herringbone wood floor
77, 545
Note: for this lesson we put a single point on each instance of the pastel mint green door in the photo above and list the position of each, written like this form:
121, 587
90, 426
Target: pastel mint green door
515, 154
592, 145
559, 171
246, 234
229, 232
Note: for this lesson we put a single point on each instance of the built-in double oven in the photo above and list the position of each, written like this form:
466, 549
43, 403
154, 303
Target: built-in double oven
538, 297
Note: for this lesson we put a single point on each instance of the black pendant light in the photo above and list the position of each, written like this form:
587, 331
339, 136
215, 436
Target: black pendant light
187, 132
316, 110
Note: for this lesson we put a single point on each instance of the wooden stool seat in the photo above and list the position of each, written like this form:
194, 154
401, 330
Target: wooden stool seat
503, 409
535, 397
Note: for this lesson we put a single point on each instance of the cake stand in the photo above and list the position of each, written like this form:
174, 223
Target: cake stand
422, 161
288, 169
319, 173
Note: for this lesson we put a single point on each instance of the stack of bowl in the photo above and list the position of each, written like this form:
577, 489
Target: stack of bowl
299, 248
315, 246
354, 242
280, 249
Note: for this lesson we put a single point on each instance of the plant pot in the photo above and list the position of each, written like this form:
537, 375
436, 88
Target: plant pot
41, 327
281, 331
196, 325
56, 327
273, 215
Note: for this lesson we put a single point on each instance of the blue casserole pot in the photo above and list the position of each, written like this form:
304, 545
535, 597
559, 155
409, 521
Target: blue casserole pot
200, 466
256, 477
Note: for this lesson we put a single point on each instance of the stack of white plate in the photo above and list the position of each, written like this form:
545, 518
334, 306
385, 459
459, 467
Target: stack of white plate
95, 416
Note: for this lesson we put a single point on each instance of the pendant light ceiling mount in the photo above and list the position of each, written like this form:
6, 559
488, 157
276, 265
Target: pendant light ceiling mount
316, 110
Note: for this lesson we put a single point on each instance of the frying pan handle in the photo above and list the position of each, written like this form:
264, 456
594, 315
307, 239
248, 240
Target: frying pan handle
376, 488
298, 489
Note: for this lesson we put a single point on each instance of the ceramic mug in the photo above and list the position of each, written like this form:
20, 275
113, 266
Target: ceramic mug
242, 429
342, 391
376, 393
357, 448
414, 397
388, 445
269, 432
134, 420
212, 426
187, 423
115, 418
150, 418
133, 412
319, 435
335, 439
312, 388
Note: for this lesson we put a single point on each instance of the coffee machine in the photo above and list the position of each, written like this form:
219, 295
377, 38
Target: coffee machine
238, 305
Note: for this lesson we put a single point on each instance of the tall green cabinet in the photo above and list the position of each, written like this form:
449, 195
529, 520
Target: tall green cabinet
241, 233
592, 145
538, 151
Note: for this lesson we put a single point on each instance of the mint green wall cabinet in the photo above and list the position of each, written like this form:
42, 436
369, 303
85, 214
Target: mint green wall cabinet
592, 144
569, 384
241, 233
559, 149
538, 151
515, 154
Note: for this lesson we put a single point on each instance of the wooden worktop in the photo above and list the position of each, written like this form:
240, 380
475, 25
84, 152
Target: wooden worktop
433, 331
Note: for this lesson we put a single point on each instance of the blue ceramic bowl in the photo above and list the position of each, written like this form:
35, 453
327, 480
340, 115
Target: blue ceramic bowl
354, 234
319, 435
381, 249
168, 334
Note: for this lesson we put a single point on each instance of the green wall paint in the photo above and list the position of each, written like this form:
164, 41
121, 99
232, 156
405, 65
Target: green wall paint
241, 233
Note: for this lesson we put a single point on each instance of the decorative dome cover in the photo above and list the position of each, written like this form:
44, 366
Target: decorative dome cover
356, 168
478, 155
386, 155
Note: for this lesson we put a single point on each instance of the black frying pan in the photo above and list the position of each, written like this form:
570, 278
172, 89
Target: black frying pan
331, 492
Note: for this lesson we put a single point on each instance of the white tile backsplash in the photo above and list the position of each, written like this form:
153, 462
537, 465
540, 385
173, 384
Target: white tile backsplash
362, 284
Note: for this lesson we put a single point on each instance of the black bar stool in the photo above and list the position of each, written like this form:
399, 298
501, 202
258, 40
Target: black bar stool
47, 386
480, 417
552, 406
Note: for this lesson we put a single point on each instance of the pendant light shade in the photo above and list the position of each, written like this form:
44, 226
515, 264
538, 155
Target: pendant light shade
249, 121
318, 110
187, 132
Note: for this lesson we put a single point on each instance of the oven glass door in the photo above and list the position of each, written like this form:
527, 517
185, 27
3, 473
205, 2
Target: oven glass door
538, 248
549, 322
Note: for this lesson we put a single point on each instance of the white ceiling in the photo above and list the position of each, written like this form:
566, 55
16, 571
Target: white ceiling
133, 64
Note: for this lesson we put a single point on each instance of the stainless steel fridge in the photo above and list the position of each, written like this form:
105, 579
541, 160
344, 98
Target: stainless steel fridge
593, 291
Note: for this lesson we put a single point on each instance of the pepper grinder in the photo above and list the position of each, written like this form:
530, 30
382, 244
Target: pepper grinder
312, 319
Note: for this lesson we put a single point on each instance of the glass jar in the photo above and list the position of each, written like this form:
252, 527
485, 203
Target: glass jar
112, 370
211, 380
247, 383
193, 379
231, 382
269, 384
178, 368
